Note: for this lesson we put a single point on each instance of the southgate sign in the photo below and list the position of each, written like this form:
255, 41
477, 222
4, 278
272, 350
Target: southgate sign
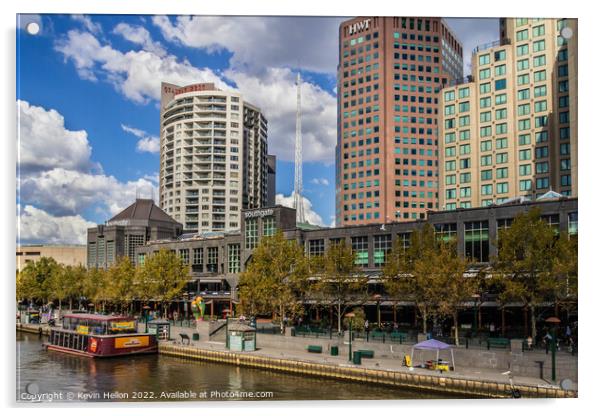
259, 213
359, 27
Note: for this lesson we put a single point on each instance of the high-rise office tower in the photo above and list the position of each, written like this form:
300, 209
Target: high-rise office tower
213, 157
390, 70
510, 130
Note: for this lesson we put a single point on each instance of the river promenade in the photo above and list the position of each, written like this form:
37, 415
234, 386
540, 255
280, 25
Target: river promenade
471, 382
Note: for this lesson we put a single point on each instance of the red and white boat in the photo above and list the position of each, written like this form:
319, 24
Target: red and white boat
93, 335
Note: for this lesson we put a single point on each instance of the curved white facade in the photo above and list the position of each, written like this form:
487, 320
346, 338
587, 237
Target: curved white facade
213, 157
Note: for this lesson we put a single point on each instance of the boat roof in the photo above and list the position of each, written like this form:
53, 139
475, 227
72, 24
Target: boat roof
95, 317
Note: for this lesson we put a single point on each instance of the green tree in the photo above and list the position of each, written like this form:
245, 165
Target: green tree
61, 284
97, 288
122, 281
276, 278
564, 268
525, 261
446, 272
36, 278
408, 272
162, 277
341, 283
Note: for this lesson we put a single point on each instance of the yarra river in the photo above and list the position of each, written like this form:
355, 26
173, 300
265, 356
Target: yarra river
48, 375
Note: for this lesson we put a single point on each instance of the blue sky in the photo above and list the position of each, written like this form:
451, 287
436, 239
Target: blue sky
88, 90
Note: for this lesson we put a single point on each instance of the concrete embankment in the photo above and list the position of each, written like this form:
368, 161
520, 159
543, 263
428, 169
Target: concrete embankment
449, 385
33, 328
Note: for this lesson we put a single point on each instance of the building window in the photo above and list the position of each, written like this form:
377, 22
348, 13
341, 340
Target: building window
359, 245
251, 237
404, 239
184, 255
446, 232
269, 227
525, 184
553, 222
212, 257
233, 258
476, 241
382, 247
316, 248
110, 252
91, 254
133, 241
197, 256
573, 223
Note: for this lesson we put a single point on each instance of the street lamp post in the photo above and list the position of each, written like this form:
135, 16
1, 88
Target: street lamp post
377, 298
350, 317
554, 322
146, 308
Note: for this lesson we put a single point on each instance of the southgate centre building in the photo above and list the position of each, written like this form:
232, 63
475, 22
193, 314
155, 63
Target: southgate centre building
217, 259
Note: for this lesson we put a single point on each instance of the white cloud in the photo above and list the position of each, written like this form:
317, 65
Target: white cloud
150, 144
258, 42
311, 216
66, 192
58, 181
87, 22
139, 36
136, 74
45, 143
275, 92
37, 226
320, 181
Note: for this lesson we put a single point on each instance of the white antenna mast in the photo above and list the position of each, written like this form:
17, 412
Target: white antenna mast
298, 199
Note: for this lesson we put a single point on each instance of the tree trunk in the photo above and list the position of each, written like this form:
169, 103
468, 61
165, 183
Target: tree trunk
456, 338
533, 327
526, 322
339, 316
70, 303
503, 321
423, 321
281, 319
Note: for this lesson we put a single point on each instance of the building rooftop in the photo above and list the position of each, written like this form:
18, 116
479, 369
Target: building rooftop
142, 209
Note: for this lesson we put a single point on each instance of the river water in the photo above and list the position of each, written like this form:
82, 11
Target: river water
49, 375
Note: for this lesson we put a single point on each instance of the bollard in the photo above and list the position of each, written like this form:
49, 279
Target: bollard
466, 339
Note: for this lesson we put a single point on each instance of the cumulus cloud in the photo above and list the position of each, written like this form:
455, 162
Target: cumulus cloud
37, 226
311, 216
146, 143
87, 22
275, 92
135, 74
139, 36
259, 42
45, 143
58, 180
320, 181
66, 192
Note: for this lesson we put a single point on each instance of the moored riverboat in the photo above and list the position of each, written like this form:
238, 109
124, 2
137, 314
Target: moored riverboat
93, 335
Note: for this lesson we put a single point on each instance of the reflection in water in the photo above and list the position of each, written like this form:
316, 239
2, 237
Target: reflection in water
40, 371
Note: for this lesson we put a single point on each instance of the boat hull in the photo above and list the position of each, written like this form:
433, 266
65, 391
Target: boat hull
49, 347
100, 346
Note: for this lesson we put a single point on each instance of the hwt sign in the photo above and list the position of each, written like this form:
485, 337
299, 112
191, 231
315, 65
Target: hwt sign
359, 26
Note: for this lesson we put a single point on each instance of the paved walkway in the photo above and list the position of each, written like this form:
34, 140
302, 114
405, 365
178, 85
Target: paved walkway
480, 374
